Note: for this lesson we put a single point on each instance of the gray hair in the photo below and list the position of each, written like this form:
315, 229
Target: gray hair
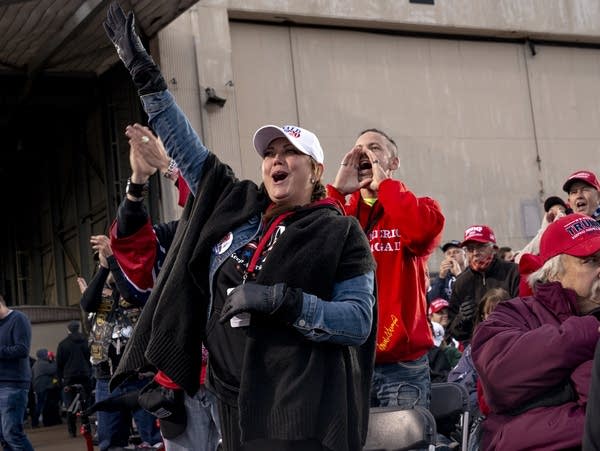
549, 272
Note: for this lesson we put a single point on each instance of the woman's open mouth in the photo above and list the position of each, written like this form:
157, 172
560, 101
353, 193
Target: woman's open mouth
279, 176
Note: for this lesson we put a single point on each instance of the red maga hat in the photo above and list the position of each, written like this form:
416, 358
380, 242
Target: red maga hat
479, 233
582, 176
437, 305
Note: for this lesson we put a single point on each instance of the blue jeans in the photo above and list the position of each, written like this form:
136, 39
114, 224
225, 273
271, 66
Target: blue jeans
13, 402
402, 384
114, 427
203, 430
39, 406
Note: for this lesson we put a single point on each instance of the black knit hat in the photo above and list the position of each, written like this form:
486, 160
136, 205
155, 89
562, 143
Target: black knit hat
552, 201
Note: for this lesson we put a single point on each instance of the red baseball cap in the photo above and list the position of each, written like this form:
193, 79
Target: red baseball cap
479, 233
582, 176
575, 234
437, 305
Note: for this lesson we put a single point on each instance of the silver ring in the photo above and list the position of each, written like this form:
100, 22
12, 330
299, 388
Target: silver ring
375, 161
145, 139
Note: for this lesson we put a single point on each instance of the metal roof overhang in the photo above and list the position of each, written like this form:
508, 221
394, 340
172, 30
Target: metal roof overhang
51, 54
66, 36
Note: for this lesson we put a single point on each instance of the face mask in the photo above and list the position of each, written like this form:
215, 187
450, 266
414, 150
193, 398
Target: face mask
481, 263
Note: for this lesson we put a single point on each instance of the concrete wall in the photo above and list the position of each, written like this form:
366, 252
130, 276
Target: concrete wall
487, 128
568, 20
47, 335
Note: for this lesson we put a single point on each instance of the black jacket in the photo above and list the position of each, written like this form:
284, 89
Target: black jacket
300, 389
73, 358
472, 285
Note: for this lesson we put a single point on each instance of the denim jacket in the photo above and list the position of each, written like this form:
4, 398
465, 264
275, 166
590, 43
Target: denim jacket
346, 319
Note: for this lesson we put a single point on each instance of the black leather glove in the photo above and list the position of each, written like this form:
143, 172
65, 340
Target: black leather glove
120, 29
279, 301
167, 405
467, 309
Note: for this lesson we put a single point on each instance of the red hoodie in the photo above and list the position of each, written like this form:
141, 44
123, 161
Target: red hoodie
402, 230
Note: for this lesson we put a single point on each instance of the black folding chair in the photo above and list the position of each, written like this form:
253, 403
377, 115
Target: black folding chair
394, 429
450, 400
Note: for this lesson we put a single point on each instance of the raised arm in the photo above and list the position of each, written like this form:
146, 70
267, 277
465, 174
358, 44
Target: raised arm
181, 141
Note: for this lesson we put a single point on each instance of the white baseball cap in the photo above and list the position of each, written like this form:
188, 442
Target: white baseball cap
438, 333
303, 140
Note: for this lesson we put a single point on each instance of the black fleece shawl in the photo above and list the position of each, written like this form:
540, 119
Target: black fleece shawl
291, 388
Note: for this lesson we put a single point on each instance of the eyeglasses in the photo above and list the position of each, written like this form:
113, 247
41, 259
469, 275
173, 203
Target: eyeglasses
477, 248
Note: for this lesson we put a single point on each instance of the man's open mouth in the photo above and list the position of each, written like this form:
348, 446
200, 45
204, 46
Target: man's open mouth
364, 165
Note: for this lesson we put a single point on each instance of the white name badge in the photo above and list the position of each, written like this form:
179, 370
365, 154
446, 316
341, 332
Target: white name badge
241, 319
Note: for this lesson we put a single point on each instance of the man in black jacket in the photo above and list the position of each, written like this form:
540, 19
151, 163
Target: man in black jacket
73, 367
485, 271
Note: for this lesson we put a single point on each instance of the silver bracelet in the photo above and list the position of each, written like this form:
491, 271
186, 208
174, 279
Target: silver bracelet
170, 169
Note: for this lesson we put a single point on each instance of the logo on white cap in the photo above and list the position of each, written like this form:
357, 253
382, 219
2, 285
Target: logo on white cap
294, 131
303, 140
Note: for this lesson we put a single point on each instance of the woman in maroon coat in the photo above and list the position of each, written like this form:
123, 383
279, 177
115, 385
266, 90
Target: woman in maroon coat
534, 354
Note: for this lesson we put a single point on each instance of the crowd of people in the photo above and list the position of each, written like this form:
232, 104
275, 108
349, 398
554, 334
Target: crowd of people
229, 278
275, 315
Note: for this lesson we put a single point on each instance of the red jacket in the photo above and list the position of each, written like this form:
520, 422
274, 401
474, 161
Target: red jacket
526, 347
402, 230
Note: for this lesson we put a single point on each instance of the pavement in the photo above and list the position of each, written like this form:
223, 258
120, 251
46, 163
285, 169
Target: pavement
55, 438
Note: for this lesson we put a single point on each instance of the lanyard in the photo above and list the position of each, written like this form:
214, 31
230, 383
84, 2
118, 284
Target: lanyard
263, 242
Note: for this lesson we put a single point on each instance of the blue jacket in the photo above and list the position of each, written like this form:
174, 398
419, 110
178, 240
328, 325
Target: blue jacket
441, 288
15, 341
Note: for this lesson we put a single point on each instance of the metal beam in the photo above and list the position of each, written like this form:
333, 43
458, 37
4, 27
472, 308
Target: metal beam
12, 2
74, 25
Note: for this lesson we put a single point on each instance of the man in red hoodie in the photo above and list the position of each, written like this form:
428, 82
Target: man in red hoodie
403, 230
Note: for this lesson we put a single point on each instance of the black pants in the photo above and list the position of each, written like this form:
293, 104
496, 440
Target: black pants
51, 412
230, 432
